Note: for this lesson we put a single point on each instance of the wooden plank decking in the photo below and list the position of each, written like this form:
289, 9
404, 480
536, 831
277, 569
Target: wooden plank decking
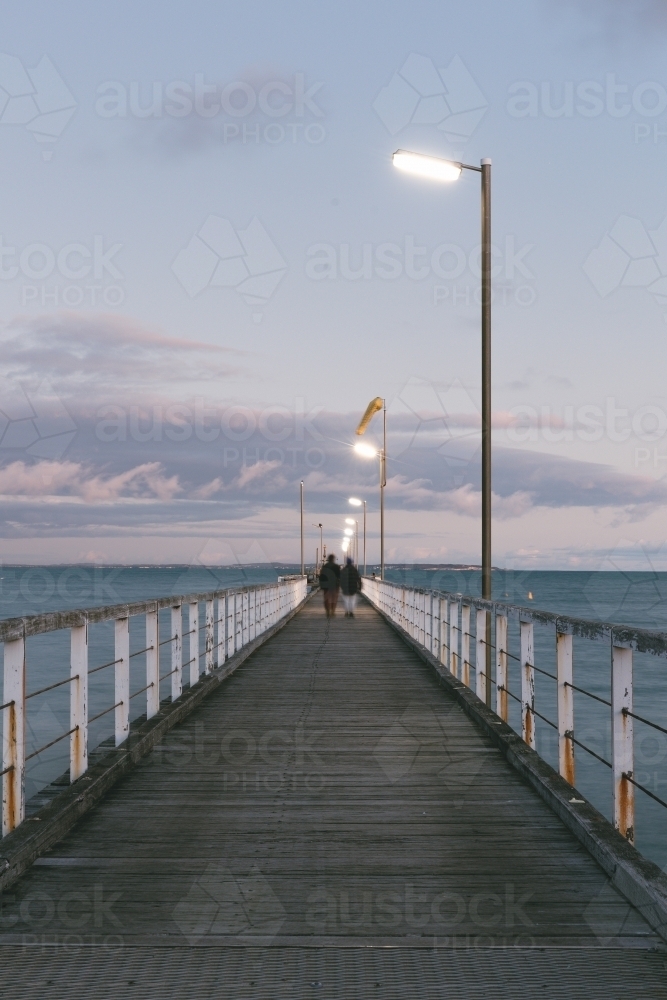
329, 823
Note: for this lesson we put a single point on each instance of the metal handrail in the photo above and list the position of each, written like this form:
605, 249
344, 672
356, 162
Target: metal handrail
426, 616
239, 619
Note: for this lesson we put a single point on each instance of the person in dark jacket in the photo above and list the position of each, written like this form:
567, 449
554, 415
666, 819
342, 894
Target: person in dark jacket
330, 584
350, 584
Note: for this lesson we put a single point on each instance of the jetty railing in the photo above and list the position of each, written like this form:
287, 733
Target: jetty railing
232, 618
442, 623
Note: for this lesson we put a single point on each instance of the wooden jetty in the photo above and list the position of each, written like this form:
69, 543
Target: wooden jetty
327, 823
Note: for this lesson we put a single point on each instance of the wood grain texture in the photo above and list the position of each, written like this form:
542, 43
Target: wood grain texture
329, 794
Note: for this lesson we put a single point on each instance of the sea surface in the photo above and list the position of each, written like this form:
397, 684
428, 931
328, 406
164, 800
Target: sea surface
636, 599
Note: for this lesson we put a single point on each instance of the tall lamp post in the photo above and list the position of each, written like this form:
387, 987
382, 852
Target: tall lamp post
357, 503
301, 497
449, 170
368, 451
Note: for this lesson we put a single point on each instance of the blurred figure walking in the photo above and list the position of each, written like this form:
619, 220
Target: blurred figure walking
350, 584
330, 584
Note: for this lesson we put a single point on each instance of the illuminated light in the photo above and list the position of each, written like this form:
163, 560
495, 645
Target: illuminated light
366, 450
355, 502
426, 166
349, 531
350, 520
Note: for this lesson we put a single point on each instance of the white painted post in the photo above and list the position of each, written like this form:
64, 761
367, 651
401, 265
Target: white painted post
565, 706
152, 664
231, 624
78, 702
527, 685
480, 653
252, 615
445, 658
177, 652
122, 680
454, 637
622, 755
502, 677
209, 640
436, 627
193, 645
465, 644
13, 736
221, 649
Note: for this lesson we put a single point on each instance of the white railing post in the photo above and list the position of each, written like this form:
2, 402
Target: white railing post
465, 644
208, 638
565, 706
152, 664
622, 756
454, 637
252, 615
480, 653
122, 680
78, 702
193, 645
176, 652
502, 678
444, 633
527, 685
13, 736
221, 649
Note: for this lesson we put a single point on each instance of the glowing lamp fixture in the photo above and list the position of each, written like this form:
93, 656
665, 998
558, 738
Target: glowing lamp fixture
366, 450
350, 520
427, 166
348, 532
355, 502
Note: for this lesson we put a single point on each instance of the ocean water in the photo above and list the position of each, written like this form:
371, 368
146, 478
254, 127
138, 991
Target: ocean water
638, 599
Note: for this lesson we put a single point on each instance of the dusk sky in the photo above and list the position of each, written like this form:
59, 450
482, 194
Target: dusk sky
209, 267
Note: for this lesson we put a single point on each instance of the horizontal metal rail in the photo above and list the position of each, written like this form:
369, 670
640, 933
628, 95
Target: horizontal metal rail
233, 617
46, 746
444, 624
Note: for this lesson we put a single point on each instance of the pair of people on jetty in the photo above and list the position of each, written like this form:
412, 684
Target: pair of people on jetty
334, 579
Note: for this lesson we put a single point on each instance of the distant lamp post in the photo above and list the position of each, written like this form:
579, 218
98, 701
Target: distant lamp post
302, 560
355, 553
434, 168
321, 546
357, 503
368, 451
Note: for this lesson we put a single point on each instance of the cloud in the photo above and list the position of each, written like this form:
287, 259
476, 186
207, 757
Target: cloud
74, 480
82, 354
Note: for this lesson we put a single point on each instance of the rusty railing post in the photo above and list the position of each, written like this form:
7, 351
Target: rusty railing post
565, 707
527, 685
13, 736
78, 702
622, 742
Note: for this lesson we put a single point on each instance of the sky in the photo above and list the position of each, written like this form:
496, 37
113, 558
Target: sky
209, 266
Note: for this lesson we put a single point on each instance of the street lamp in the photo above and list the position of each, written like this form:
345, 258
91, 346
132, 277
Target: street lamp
367, 451
355, 552
301, 497
357, 503
438, 169
321, 548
